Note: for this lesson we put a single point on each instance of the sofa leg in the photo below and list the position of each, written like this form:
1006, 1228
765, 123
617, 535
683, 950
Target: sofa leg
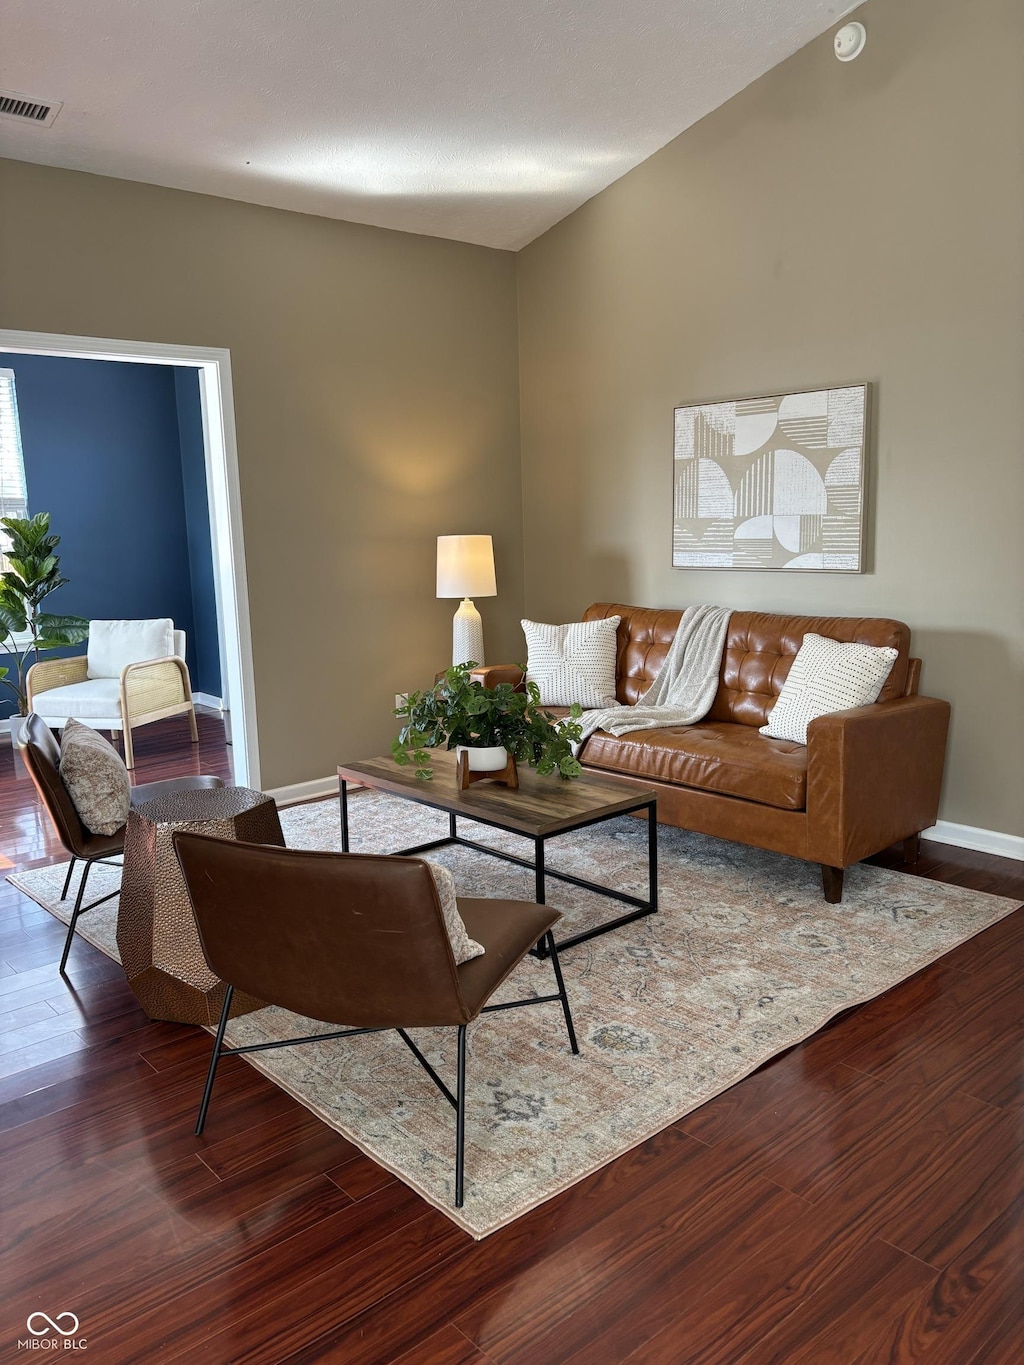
832, 883
912, 848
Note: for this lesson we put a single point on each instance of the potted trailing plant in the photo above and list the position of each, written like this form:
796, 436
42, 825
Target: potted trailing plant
458, 710
25, 630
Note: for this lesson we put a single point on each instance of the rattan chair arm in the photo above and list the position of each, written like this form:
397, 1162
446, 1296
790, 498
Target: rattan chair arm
153, 686
50, 673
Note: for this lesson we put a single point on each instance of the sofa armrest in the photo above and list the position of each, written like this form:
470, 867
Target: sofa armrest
154, 685
490, 675
51, 673
874, 774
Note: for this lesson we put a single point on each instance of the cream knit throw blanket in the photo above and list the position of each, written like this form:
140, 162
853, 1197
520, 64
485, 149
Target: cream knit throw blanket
683, 691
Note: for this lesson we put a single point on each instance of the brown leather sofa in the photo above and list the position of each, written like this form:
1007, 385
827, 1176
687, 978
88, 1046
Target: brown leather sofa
867, 778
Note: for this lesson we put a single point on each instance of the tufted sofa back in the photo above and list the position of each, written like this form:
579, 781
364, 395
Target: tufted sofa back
759, 650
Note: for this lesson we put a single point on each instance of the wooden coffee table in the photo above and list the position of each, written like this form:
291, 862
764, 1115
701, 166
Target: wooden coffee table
542, 808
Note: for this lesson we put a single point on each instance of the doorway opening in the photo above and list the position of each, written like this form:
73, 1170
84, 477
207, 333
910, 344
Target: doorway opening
212, 367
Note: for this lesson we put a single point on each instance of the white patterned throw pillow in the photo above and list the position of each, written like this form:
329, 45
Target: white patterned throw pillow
571, 663
827, 676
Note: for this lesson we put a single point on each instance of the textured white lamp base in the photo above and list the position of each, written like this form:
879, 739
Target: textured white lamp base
467, 635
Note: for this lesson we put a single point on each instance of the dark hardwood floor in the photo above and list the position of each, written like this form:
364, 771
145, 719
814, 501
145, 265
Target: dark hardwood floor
860, 1199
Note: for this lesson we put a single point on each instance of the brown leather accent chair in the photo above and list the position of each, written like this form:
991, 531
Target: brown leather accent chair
42, 758
358, 940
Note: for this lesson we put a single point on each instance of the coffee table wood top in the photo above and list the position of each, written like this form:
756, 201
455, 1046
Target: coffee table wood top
541, 806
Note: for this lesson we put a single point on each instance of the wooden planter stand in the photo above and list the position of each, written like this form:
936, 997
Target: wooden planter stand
507, 776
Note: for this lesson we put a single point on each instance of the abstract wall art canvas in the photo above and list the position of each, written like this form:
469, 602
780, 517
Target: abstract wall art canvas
771, 483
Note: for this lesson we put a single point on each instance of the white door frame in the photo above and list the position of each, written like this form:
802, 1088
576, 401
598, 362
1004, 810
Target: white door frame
230, 586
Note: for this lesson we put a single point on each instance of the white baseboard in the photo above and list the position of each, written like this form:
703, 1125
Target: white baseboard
313, 790
981, 840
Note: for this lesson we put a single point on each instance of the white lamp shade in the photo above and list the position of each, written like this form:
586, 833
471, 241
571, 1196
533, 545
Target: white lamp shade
465, 567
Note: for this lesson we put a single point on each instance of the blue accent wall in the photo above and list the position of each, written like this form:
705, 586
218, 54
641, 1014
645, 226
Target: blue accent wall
206, 672
103, 455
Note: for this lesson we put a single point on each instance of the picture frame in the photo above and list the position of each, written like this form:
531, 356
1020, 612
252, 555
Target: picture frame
772, 482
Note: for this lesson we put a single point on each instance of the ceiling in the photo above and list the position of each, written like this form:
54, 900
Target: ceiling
472, 119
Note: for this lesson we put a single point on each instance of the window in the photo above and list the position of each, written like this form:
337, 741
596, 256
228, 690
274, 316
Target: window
13, 491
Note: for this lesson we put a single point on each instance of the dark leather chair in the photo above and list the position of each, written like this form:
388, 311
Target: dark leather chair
357, 940
42, 758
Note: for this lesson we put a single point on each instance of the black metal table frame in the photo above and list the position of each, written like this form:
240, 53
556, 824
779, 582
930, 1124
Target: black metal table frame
538, 866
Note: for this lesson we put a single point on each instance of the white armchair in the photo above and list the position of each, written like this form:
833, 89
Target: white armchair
133, 674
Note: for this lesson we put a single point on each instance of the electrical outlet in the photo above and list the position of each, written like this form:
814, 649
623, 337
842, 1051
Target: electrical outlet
399, 700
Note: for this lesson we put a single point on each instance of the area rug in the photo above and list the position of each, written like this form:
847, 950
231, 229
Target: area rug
743, 960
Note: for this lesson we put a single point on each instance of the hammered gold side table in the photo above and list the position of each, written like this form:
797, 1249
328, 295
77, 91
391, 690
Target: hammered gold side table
156, 931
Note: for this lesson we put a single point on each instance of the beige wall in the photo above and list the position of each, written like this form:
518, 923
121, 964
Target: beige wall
829, 224
375, 379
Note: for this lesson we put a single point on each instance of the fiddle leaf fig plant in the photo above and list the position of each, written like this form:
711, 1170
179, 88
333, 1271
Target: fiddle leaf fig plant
460, 710
33, 573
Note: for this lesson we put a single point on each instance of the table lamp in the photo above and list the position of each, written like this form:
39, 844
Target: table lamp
465, 568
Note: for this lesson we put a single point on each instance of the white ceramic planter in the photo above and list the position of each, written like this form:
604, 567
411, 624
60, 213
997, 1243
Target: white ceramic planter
484, 760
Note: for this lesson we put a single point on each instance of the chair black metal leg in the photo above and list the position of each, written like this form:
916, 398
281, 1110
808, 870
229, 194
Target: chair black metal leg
80, 909
74, 917
218, 1041
67, 879
561, 991
460, 1119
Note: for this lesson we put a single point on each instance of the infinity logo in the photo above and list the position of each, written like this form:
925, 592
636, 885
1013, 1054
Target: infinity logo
51, 1323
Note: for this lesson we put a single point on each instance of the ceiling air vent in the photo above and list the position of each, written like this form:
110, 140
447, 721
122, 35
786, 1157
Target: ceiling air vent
28, 110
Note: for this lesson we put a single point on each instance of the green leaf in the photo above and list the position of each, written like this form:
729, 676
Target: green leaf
16, 586
72, 630
12, 618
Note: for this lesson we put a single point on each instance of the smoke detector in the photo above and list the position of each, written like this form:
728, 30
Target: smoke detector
849, 41
29, 108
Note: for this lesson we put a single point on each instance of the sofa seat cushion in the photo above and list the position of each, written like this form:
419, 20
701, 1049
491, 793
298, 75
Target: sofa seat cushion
94, 699
717, 756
